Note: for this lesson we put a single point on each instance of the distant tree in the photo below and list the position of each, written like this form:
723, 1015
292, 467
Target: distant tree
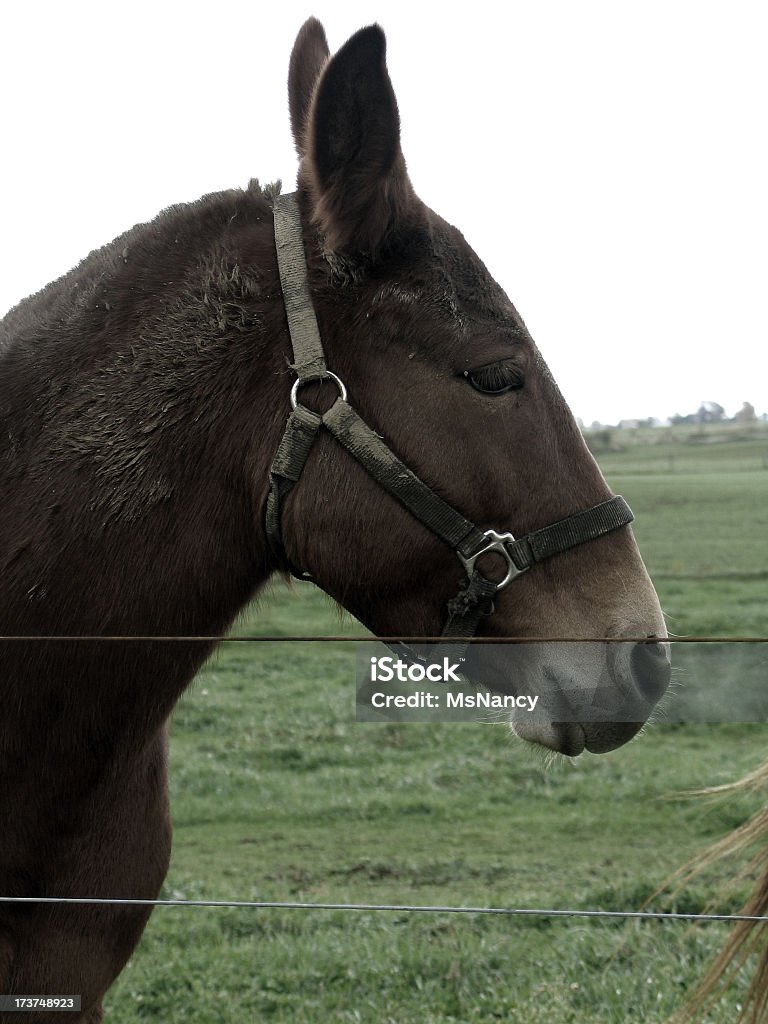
746, 414
599, 441
605, 437
710, 412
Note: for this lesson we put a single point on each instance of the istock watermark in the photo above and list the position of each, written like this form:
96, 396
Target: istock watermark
563, 681
386, 669
430, 687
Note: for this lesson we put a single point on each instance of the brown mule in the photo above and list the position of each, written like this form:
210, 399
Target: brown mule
142, 399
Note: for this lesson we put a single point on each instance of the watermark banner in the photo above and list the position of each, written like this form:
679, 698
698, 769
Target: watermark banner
562, 681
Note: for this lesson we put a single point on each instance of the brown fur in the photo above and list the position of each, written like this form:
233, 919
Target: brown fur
142, 397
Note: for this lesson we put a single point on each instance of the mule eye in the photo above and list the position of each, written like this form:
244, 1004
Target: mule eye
495, 378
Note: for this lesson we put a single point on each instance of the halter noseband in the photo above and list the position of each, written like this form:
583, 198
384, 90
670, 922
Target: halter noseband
475, 598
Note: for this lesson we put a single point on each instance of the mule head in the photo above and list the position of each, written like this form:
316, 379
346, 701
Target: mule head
437, 361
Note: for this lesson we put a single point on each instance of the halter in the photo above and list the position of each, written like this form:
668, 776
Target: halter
474, 600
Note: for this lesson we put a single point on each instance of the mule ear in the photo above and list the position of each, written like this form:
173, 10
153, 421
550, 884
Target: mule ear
309, 54
353, 165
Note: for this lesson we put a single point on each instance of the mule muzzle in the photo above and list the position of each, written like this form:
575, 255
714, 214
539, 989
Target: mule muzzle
591, 696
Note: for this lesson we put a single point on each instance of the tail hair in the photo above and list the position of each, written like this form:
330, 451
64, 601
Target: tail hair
746, 938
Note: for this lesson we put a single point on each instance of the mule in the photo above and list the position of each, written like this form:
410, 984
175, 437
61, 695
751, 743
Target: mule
142, 399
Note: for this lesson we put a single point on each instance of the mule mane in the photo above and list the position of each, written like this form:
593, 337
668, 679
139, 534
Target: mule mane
66, 297
129, 346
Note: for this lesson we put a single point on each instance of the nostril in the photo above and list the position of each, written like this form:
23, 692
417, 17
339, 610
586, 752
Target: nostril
651, 669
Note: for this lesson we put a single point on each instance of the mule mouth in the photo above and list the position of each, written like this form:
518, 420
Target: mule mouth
576, 695
563, 737
573, 738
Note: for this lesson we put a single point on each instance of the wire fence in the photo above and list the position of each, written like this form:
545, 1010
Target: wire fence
368, 639
409, 908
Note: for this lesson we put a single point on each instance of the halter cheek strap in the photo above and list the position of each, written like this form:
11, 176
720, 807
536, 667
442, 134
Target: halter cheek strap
475, 599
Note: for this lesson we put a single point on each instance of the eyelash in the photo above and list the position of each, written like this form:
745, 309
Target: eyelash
495, 378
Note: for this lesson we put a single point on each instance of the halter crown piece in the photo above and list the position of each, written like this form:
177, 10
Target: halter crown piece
474, 600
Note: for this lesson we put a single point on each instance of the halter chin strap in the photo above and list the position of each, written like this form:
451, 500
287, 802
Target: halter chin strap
475, 599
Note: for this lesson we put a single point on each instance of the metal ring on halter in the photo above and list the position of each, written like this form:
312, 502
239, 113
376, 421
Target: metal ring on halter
318, 376
497, 544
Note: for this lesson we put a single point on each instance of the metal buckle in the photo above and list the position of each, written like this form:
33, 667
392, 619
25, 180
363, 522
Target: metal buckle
496, 542
316, 376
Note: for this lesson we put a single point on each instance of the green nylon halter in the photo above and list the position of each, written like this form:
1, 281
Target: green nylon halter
475, 599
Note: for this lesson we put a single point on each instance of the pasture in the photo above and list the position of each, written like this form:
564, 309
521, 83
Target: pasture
278, 794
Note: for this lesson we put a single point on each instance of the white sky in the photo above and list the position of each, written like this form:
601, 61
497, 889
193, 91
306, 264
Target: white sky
608, 160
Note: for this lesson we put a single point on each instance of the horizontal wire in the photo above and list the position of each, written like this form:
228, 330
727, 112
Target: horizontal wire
200, 638
658, 915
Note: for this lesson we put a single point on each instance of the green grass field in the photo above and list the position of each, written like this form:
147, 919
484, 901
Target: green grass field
278, 794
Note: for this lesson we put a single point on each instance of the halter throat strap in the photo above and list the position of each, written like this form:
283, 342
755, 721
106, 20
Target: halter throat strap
475, 598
